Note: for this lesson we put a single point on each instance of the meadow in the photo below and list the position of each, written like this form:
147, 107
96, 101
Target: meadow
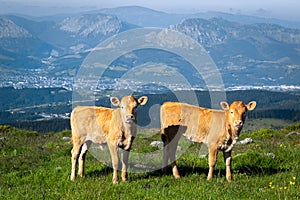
37, 166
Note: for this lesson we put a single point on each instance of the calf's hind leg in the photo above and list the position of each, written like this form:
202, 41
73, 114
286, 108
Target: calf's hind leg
81, 158
172, 155
170, 139
75, 153
165, 153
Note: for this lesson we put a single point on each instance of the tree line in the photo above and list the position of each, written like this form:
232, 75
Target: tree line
280, 105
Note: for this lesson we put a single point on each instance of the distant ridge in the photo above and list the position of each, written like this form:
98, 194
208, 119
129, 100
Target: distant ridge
47, 51
146, 17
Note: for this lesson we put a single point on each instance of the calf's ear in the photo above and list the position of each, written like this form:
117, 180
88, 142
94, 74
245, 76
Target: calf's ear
224, 105
251, 105
114, 101
142, 100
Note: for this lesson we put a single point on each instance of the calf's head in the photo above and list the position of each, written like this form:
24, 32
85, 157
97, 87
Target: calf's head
236, 115
128, 105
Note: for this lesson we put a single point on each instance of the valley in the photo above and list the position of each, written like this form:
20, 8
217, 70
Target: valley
42, 60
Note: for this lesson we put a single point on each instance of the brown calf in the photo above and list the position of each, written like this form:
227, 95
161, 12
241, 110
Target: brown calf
116, 127
219, 129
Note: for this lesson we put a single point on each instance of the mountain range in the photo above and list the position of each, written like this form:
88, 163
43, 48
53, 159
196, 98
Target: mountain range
247, 50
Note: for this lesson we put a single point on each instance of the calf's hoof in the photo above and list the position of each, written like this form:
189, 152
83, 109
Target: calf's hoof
229, 179
114, 181
72, 178
177, 176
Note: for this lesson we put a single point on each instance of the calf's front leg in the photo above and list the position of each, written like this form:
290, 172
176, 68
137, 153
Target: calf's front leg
125, 155
165, 153
227, 159
115, 161
213, 152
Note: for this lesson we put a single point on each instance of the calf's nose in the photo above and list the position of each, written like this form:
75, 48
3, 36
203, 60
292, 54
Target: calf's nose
238, 123
130, 117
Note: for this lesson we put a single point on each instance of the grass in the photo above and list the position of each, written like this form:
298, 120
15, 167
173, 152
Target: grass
256, 124
36, 166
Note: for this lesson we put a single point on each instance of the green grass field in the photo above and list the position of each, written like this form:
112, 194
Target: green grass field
36, 166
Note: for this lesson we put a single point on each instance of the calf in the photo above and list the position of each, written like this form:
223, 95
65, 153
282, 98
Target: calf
219, 129
116, 127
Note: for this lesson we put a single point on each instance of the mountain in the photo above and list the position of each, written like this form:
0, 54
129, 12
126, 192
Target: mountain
19, 47
146, 17
143, 17
248, 53
11, 30
84, 31
25, 43
217, 31
259, 54
246, 19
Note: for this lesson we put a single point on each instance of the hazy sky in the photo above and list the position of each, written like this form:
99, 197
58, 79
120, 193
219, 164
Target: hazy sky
288, 9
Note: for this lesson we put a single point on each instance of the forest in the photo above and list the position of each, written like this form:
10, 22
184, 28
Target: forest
26, 108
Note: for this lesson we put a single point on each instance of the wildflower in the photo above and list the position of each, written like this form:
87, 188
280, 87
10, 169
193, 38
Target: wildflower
294, 177
270, 184
282, 146
292, 183
285, 187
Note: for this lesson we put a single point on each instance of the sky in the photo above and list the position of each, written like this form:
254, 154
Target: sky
284, 9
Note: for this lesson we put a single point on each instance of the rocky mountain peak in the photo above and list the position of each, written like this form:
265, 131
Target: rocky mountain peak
217, 31
10, 30
91, 25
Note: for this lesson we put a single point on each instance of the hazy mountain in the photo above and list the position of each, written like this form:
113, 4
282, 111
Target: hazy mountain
84, 31
143, 17
256, 53
19, 47
246, 53
246, 19
218, 31
146, 17
10, 30
26, 43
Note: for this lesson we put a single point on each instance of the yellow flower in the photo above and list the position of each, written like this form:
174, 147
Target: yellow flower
294, 177
282, 146
271, 185
285, 187
292, 183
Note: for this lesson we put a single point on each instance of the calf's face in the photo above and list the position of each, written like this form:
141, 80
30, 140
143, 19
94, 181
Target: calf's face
236, 114
128, 105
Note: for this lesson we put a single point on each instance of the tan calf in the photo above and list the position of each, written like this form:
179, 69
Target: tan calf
116, 127
219, 129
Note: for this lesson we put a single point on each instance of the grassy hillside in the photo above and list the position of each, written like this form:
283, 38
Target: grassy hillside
36, 166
